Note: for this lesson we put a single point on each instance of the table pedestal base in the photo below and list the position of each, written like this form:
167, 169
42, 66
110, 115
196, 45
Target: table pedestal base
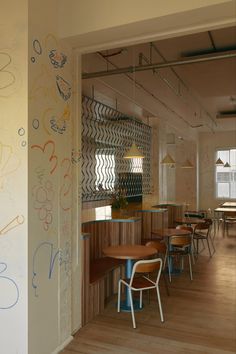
127, 308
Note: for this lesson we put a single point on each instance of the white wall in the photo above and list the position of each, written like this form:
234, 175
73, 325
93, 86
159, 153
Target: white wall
13, 177
208, 144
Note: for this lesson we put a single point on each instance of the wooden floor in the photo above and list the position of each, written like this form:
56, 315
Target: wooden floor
200, 316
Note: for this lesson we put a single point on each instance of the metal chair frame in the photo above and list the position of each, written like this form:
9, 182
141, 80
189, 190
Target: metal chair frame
142, 267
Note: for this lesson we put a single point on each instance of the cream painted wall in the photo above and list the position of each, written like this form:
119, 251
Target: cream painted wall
52, 161
110, 23
13, 177
186, 179
208, 144
94, 15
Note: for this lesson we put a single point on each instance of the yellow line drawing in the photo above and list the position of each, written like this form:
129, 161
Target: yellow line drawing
18, 220
9, 163
43, 85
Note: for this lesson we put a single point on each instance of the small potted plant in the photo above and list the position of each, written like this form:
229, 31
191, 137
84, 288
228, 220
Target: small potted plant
119, 200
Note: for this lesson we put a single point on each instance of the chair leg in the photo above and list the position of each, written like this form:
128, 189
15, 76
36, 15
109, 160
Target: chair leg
168, 264
159, 303
190, 267
166, 285
118, 302
182, 263
132, 308
208, 245
141, 299
213, 246
192, 255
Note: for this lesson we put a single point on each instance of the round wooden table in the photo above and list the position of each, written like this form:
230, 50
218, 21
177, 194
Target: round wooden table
189, 221
167, 234
170, 232
130, 253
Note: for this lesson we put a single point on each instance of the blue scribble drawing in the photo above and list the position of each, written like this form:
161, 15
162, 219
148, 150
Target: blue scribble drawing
55, 126
64, 87
57, 59
9, 291
63, 257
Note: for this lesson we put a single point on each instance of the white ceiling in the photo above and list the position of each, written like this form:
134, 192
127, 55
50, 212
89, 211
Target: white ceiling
187, 97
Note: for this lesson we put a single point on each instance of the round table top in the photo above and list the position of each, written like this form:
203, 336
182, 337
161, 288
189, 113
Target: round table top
129, 251
189, 221
171, 232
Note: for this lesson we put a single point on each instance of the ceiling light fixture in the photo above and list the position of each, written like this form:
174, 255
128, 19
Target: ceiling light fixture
133, 153
219, 162
227, 165
187, 164
168, 160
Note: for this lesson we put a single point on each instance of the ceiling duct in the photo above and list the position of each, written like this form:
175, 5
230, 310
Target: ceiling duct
226, 114
170, 139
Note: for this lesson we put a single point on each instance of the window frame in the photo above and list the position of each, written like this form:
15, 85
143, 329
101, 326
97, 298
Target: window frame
215, 175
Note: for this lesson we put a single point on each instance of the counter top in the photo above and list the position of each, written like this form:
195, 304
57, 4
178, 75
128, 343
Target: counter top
106, 213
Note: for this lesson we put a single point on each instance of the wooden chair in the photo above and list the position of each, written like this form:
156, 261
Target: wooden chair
190, 229
181, 246
229, 218
140, 282
203, 232
162, 253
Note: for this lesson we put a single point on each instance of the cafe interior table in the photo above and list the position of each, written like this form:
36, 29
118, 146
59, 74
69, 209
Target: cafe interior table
167, 234
189, 221
228, 205
129, 253
221, 210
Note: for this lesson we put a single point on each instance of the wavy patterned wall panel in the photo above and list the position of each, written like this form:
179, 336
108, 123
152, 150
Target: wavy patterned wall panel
106, 135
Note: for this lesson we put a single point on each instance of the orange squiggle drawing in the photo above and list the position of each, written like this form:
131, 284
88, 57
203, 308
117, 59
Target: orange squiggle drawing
18, 220
66, 188
52, 157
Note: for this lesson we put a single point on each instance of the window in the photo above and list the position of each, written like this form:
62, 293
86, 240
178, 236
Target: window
136, 165
105, 171
226, 176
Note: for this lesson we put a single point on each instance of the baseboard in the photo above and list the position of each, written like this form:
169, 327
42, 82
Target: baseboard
63, 345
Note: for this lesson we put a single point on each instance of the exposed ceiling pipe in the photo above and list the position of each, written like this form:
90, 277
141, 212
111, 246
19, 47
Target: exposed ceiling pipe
132, 69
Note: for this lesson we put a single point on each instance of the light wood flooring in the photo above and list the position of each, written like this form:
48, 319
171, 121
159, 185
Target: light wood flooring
200, 316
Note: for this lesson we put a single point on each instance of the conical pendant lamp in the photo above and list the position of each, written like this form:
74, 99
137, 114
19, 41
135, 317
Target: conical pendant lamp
187, 164
219, 162
227, 165
133, 153
168, 160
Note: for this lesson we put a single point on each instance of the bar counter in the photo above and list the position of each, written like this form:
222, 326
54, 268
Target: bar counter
106, 213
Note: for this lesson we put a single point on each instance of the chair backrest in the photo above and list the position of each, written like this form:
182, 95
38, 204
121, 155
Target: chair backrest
183, 241
208, 221
229, 214
183, 227
147, 266
159, 246
202, 226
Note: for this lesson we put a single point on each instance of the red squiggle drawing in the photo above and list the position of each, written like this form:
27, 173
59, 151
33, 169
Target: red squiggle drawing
43, 204
49, 147
66, 188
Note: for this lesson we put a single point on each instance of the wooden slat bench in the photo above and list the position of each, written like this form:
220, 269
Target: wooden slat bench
102, 266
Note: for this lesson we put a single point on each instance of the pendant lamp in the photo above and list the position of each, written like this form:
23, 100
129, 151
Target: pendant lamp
168, 160
187, 164
227, 165
133, 153
219, 162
